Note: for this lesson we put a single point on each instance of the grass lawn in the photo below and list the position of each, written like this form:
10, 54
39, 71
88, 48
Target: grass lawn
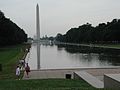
113, 45
45, 84
9, 57
109, 45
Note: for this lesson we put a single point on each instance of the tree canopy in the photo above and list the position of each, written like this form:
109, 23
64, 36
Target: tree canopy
10, 33
103, 33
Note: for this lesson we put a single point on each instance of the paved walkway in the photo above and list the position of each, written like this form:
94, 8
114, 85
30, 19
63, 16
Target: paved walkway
61, 73
99, 73
95, 82
45, 74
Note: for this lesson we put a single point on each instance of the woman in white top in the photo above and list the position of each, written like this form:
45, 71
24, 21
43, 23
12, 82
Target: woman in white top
18, 72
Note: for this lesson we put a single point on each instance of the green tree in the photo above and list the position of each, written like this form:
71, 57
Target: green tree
10, 33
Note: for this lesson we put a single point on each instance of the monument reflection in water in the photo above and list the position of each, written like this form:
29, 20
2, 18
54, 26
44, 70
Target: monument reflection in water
38, 55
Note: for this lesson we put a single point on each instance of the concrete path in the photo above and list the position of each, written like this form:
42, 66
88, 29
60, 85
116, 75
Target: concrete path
91, 74
45, 74
95, 82
112, 81
60, 73
99, 73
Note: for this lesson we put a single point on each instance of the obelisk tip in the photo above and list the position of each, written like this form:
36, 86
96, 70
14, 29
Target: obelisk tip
37, 4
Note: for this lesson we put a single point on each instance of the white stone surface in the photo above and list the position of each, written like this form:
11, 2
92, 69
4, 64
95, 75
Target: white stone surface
90, 79
48, 74
114, 76
112, 81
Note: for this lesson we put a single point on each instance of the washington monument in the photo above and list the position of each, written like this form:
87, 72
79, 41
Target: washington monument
37, 23
38, 36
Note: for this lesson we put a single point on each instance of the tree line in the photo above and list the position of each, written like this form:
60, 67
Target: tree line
10, 33
103, 33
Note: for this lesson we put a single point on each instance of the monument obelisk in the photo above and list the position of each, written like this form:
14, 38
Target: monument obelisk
37, 23
38, 36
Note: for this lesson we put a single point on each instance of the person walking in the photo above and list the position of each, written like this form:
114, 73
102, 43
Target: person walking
18, 72
27, 69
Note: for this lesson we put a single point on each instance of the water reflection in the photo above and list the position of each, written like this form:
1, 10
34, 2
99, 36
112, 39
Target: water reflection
60, 56
38, 55
105, 56
114, 59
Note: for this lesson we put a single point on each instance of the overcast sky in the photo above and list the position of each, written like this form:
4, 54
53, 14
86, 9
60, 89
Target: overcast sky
58, 16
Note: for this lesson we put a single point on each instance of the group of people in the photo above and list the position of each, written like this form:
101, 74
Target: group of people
22, 65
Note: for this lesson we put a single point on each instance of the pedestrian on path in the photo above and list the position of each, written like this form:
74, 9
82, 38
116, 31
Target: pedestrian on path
18, 72
27, 69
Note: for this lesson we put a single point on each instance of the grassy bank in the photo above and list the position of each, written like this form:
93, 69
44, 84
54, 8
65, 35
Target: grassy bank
9, 57
108, 45
46, 84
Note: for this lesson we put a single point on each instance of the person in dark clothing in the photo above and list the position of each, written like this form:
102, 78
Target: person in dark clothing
27, 69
